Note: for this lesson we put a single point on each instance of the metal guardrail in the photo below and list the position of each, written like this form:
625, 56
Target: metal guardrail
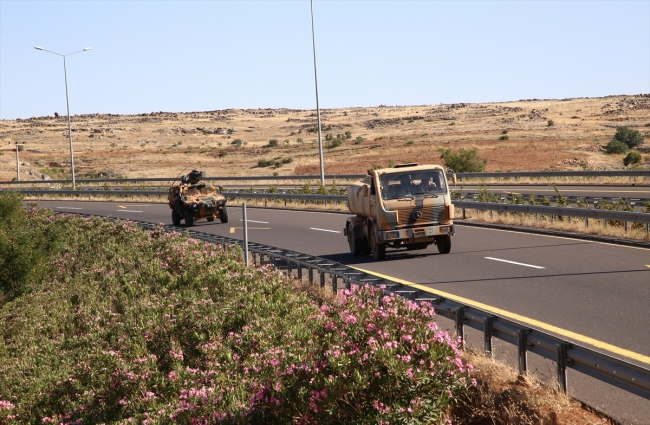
556, 211
623, 216
565, 354
507, 175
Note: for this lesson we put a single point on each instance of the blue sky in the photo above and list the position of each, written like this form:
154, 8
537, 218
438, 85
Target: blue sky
195, 56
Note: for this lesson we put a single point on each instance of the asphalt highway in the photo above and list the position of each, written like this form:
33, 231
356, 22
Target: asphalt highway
598, 290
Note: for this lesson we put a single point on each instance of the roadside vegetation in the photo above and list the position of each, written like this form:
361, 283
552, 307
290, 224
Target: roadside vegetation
106, 323
463, 161
612, 228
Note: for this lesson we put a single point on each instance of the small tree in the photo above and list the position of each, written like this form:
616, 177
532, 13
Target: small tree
616, 146
632, 158
463, 161
348, 134
273, 143
630, 137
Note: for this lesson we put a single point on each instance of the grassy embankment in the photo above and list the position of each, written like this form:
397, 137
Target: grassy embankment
102, 322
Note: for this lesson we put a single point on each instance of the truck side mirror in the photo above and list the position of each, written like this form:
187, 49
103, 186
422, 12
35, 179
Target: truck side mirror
365, 191
453, 178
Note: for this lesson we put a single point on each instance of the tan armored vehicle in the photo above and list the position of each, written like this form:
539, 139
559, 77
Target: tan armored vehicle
193, 200
408, 206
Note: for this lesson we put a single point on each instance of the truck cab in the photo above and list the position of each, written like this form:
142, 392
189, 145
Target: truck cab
408, 206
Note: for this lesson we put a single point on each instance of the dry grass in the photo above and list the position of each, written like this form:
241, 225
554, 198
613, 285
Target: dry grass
576, 225
162, 144
505, 397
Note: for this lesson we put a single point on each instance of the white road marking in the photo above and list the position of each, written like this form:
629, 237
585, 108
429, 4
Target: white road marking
253, 221
69, 208
325, 230
514, 262
127, 211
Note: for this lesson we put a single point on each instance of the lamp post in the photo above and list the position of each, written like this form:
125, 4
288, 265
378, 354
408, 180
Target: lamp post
17, 162
67, 103
320, 138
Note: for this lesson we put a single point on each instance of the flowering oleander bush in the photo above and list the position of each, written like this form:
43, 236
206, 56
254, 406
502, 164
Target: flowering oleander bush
125, 326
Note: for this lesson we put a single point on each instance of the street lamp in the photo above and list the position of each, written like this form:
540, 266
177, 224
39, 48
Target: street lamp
17, 162
65, 74
320, 138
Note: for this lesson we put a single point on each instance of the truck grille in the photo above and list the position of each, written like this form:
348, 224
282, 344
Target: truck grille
418, 216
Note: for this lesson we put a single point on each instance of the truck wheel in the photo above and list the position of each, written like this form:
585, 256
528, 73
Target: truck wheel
356, 244
444, 244
223, 215
176, 218
378, 250
189, 219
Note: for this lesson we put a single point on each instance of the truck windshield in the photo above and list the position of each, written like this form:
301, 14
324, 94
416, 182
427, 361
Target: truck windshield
411, 183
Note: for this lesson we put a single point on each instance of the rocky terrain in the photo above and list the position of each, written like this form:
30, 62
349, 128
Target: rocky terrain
528, 135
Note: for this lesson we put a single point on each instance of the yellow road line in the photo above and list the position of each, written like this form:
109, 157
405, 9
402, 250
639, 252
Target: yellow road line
553, 236
232, 229
519, 318
122, 206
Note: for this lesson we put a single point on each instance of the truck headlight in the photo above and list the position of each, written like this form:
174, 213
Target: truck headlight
195, 206
443, 229
392, 235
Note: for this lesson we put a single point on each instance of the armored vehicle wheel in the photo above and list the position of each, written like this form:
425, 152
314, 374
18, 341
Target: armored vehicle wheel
356, 244
444, 244
176, 218
210, 218
189, 219
378, 250
223, 215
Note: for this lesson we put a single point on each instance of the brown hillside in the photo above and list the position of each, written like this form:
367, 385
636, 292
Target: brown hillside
161, 144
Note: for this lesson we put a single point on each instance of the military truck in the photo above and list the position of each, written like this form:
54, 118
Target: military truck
192, 200
408, 206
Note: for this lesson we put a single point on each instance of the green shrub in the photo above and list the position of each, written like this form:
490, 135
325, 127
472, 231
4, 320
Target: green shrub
550, 123
137, 327
616, 146
632, 158
335, 143
358, 140
264, 163
348, 134
299, 140
409, 142
273, 143
236, 143
504, 132
463, 161
329, 137
23, 246
504, 137
630, 137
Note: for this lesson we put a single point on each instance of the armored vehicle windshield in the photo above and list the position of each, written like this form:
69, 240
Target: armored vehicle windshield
411, 183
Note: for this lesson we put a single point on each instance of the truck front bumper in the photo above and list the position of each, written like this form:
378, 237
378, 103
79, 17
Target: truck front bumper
418, 234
